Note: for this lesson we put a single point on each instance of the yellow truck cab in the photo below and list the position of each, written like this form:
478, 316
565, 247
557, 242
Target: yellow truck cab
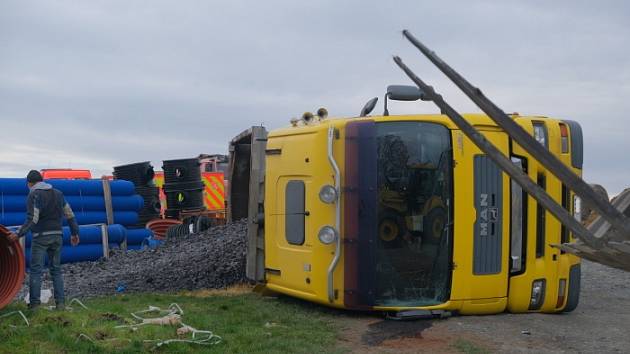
423, 215
406, 213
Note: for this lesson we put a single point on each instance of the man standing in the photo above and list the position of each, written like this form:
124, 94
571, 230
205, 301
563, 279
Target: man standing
45, 208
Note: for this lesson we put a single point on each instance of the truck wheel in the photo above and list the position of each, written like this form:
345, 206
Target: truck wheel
434, 224
388, 230
391, 227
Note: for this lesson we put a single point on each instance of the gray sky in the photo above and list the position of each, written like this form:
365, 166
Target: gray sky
93, 84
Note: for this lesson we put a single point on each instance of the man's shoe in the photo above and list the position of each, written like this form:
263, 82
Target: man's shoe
33, 307
60, 307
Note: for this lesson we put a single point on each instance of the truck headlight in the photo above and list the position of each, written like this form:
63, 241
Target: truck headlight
538, 294
328, 194
327, 235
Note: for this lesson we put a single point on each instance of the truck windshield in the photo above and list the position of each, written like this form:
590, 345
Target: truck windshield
414, 197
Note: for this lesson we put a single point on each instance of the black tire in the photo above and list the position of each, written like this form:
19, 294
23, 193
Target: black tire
433, 226
390, 228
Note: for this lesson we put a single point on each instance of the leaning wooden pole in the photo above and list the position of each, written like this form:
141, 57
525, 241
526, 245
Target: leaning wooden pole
620, 222
502, 161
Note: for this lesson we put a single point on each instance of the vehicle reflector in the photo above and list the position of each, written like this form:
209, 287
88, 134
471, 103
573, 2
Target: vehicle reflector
564, 138
562, 285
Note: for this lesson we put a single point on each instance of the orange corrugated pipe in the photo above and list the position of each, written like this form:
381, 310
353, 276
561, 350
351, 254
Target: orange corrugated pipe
159, 227
12, 267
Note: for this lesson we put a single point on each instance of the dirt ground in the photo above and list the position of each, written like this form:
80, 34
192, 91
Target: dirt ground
600, 324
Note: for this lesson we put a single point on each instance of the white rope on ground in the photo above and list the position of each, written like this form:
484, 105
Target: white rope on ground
19, 313
210, 339
69, 307
85, 337
137, 314
171, 320
172, 316
78, 302
175, 306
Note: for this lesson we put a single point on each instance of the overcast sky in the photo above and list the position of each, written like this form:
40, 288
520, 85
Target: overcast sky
93, 84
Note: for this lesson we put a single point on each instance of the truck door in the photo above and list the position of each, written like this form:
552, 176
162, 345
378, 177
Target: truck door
295, 261
293, 252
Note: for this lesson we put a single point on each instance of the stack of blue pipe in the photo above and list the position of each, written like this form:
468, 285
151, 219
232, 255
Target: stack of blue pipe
88, 203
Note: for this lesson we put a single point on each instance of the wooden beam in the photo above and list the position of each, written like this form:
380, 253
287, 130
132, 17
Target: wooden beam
523, 138
107, 195
105, 240
503, 162
255, 268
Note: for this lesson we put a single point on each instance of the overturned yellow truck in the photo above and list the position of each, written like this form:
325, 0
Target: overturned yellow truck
414, 215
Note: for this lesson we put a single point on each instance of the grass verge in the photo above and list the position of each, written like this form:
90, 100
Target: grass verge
247, 323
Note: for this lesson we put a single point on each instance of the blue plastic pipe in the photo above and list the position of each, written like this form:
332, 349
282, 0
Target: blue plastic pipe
90, 235
17, 203
81, 253
151, 243
17, 186
83, 218
136, 236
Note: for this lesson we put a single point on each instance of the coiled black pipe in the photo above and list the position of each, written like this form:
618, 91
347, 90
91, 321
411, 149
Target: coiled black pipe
141, 173
183, 186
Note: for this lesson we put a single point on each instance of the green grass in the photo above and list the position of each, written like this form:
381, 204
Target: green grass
248, 323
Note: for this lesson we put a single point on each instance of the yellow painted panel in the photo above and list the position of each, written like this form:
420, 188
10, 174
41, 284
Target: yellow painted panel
467, 285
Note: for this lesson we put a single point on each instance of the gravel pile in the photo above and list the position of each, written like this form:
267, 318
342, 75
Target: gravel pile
213, 259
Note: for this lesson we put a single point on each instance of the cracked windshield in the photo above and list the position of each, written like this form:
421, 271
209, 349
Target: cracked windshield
414, 188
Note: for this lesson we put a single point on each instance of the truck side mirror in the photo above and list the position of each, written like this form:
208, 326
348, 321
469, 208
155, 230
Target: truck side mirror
403, 93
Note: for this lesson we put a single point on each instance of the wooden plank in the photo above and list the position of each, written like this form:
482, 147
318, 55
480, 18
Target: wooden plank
255, 268
623, 247
523, 138
612, 254
105, 240
503, 162
107, 194
600, 227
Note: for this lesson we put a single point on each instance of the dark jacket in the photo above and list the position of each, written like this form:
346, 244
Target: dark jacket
45, 208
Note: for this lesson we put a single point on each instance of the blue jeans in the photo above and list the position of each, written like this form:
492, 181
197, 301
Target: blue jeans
46, 245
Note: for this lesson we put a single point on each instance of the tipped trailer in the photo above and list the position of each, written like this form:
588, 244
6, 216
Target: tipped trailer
422, 214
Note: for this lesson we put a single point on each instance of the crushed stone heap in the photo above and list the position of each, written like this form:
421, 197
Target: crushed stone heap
212, 259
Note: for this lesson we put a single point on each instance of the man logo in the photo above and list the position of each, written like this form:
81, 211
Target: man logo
487, 214
493, 214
